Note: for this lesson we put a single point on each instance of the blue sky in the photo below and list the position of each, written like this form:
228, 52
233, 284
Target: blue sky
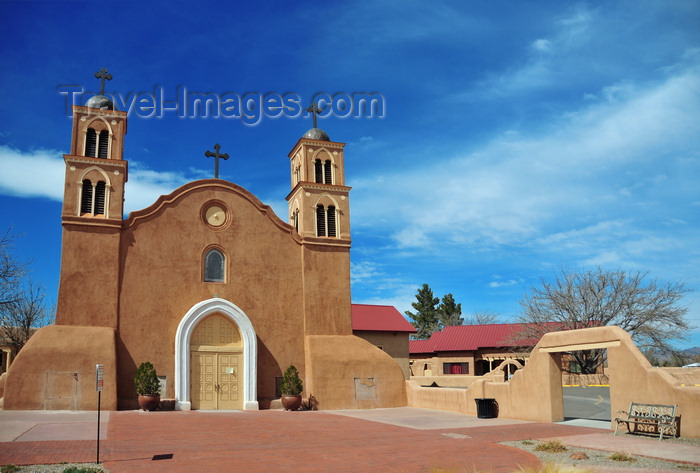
518, 138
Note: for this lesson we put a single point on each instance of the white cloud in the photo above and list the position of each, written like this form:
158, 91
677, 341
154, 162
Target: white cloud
41, 173
364, 271
145, 186
542, 45
497, 284
572, 183
36, 173
550, 62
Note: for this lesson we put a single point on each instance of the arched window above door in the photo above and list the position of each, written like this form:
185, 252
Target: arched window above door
214, 266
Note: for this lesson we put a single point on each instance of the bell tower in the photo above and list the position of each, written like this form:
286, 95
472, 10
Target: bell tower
319, 206
95, 169
319, 210
93, 207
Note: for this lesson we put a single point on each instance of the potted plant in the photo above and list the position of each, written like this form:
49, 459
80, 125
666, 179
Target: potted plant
147, 387
291, 389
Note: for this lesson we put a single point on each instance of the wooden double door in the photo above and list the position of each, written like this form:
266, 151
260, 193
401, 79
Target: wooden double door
215, 380
216, 365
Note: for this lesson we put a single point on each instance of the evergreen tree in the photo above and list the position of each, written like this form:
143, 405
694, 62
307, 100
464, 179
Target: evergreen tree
449, 312
426, 319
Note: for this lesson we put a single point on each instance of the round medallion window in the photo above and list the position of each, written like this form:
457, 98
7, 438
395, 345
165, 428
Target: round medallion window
215, 215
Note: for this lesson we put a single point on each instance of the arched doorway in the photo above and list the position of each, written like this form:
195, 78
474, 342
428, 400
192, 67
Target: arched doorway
216, 360
247, 347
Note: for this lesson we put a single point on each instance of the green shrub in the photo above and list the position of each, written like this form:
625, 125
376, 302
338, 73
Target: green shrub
291, 383
146, 380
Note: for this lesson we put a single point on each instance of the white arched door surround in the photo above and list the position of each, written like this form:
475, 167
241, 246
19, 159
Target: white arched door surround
182, 351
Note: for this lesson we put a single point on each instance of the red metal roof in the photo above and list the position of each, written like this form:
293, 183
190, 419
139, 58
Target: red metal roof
421, 346
379, 318
471, 338
426, 346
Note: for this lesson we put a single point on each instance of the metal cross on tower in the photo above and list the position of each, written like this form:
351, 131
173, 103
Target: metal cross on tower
102, 74
313, 109
216, 157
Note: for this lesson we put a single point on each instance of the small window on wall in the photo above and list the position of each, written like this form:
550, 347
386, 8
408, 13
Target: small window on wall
455, 368
330, 216
103, 147
318, 171
214, 266
328, 172
320, 221
90, 142
86, 197
99, 207
295, 220
93, 198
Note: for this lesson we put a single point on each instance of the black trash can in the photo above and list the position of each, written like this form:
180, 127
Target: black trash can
485, 408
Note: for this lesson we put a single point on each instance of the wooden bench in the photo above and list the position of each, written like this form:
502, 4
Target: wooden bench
660, 416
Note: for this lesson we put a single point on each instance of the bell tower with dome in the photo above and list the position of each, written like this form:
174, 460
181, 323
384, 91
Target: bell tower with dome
319, 206
93, 206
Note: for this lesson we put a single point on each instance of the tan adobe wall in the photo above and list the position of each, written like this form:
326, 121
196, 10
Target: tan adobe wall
89, 284
55, 370
347, 372
163, 247
453, 381
685, 376
421, 365
439, 363
442, 399
632, 378
326, 285
393, 343
535, 392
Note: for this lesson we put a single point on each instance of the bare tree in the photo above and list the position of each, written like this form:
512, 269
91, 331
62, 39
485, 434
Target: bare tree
20, 318
648, 310
485, 317
11, 272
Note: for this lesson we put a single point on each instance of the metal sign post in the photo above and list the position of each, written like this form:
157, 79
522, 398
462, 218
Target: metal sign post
99, 385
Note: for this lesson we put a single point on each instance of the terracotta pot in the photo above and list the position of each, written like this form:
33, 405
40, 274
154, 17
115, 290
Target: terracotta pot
149, 402
291, 403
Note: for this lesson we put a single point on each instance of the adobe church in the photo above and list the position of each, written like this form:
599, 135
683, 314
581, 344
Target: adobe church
207, 283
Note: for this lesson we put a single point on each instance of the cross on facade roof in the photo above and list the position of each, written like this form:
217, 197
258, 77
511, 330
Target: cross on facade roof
216, 157
315, 110
102, 74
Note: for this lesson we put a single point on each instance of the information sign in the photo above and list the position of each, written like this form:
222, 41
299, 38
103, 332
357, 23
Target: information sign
99, 377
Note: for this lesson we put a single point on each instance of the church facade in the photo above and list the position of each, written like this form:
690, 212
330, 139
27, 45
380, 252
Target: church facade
207, 283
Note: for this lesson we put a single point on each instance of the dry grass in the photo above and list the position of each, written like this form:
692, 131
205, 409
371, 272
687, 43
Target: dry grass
554, 468
551, 446
545, 468
622, 457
